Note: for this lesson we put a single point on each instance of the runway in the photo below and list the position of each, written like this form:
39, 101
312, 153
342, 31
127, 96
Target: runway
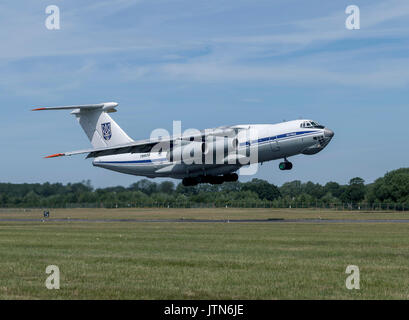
275, 220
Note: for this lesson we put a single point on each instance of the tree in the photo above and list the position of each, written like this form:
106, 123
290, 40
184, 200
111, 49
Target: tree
334, 188
291, 189
355, 192
263, 189
144, 185
166, 187
313, 189
393, 187
32, 199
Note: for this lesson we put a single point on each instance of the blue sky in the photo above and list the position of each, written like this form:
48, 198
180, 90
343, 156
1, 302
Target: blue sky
206, 63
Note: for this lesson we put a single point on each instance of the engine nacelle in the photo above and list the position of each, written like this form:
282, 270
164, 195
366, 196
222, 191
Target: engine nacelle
219, 148
189, 153
208, 152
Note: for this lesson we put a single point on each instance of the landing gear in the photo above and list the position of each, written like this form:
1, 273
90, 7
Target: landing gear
232, 177
286, 165
215, 180
218, 179
190, 182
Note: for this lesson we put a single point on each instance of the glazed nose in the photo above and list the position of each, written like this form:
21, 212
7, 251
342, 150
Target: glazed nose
328, 133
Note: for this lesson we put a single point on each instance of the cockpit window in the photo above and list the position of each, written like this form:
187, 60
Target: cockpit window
311, 124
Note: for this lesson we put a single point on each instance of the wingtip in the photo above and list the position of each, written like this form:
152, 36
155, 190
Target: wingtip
55, 155
38, 109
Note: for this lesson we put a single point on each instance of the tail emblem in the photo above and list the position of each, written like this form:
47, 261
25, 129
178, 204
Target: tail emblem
106, 130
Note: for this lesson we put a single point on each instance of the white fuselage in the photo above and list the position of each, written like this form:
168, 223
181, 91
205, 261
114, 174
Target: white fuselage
271, 141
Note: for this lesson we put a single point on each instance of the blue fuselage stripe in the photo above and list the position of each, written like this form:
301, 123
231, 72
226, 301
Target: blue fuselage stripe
284, 136
279, 137
136, 161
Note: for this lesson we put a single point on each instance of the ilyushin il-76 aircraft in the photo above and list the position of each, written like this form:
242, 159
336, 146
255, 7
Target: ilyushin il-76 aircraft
207, 156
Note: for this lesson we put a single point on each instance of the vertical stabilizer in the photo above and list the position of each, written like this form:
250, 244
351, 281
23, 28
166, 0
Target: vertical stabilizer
100, 128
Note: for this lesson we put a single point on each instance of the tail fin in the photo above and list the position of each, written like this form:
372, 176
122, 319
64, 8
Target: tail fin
99, 127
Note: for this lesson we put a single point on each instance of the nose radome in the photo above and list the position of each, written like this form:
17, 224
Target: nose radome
328, 133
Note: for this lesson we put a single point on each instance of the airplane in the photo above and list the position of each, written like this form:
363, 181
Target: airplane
208, 156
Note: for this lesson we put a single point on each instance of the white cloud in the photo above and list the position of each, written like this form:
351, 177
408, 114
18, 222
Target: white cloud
392, 74
130, 54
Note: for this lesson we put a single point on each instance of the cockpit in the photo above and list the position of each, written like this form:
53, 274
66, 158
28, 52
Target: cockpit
311, 124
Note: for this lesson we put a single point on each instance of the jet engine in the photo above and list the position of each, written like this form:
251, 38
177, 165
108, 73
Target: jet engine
219, 148
208, 152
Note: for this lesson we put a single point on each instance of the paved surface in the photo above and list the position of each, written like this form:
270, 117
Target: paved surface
211, 220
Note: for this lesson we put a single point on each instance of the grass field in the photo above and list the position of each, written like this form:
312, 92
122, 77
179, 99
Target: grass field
125, 260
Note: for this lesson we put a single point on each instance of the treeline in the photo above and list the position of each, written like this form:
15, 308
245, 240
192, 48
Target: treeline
391, 190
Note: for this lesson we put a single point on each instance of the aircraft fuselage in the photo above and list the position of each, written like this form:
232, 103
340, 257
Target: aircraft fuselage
269, 141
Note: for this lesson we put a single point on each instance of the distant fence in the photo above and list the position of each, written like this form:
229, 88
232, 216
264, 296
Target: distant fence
233, 204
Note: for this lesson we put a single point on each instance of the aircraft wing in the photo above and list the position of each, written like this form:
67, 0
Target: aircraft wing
145, 146
134, 147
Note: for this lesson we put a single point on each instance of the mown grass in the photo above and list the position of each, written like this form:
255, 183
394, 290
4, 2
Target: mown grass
203, 213
202, 260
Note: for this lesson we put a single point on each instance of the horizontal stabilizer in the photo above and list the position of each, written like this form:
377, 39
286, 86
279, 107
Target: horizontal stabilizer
55, 155
104, 106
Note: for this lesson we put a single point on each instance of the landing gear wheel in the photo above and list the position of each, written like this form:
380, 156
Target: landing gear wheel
216, 180
286, 165
189, 182
232, 177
